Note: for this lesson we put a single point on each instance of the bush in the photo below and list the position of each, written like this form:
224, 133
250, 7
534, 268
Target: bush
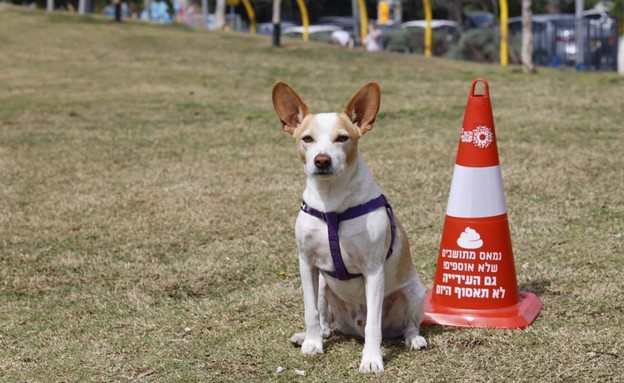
480, 45
413, 40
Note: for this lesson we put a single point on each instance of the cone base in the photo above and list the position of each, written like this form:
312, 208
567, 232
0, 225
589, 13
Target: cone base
517, 316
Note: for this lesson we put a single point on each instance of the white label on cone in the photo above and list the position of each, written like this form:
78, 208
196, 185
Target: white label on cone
476, 192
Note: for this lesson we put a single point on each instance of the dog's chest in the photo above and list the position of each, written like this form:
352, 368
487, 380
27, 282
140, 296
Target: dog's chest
359, 240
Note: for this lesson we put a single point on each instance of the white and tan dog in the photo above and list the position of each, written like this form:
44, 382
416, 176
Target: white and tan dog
354, 259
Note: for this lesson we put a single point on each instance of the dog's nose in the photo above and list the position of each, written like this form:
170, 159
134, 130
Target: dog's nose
322, 161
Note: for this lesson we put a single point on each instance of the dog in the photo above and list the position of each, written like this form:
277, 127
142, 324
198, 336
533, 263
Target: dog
356, 269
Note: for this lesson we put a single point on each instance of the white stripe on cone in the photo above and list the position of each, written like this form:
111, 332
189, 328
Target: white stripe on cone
476, 192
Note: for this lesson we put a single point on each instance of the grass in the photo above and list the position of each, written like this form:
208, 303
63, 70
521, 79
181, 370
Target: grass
148, 197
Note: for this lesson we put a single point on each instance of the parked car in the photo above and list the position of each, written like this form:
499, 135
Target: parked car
394, 38
267, 28
344, 22
322, 33
448, 27
348, 25
478, 19
412, 33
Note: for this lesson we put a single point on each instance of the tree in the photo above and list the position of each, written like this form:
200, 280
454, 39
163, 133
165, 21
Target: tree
277, 20
527, 37
220, 14
147, 5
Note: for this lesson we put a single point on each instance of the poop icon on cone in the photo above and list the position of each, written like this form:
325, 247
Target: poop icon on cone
469, 239
475, 283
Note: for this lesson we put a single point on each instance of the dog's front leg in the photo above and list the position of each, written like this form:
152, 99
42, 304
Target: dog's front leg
371, 356
323, 307
313, 342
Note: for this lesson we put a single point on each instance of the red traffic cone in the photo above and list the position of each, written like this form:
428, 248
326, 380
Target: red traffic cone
475, 282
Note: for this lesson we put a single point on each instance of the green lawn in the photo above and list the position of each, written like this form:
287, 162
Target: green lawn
148, 195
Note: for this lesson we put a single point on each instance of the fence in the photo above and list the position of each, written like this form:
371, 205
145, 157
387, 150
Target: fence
554, 40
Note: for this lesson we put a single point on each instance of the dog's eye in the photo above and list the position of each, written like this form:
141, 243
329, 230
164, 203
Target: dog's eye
307, 139
342, 138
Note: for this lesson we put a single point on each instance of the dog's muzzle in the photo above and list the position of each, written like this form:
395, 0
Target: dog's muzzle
322, 161
323, 164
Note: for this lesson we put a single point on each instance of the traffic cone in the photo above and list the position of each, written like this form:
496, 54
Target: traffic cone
475, 282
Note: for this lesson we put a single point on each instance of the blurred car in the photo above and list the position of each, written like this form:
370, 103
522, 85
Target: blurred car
322, 33
344, 22
394, 38
478, 19
448, 27
267, 28
298, 30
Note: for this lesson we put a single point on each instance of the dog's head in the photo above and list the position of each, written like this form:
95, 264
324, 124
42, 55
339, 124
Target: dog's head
327, 142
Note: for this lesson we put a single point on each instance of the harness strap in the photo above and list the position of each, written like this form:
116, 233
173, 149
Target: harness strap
333, 220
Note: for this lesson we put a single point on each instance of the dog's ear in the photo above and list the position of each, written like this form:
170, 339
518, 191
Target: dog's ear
363, 107
289, 107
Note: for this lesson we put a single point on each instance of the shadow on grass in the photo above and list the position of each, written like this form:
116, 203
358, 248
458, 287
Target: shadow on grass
337, 338
538, 287
393, 346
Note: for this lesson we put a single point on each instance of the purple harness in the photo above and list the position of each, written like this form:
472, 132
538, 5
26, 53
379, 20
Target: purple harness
333, 219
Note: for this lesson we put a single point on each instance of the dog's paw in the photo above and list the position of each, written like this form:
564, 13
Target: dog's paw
312, 346
372, 364
298, 338
415, 342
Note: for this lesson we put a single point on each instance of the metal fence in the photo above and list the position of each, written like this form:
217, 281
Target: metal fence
554, 40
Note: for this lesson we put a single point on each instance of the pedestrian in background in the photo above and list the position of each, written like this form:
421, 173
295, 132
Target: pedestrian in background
374, 39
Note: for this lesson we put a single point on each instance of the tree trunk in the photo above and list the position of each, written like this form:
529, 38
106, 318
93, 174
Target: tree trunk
147, 5
277, 22
117, 10
527, 37
50, 5
204, 11
220, 14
